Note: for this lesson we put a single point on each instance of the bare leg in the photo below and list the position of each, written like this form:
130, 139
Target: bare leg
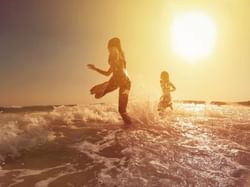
98, 90
101, 89
171, 106
123, 102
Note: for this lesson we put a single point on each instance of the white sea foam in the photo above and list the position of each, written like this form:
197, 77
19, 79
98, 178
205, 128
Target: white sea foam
20, 132
194, 145
20, 174
24, 131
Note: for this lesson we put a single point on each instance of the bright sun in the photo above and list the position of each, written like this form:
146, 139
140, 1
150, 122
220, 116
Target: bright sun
193, 36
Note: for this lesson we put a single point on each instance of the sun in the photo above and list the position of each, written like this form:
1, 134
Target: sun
193, 36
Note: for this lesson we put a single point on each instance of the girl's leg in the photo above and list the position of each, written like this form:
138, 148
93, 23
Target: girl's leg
161, 104
110, 87
171, 106
123, 102
98, 90
101, 89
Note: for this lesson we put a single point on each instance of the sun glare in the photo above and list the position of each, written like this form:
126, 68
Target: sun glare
193, 36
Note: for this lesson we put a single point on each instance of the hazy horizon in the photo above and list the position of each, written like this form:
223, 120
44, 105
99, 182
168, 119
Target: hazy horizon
45, 46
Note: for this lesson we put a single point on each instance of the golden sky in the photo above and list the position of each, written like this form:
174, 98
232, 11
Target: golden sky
45, 46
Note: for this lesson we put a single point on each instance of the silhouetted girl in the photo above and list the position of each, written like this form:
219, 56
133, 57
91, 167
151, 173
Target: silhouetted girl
167, 87
119, 78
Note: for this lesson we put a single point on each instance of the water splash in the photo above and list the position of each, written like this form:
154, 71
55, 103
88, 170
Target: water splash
194, 145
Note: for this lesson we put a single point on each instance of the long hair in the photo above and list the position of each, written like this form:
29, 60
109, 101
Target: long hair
116, 42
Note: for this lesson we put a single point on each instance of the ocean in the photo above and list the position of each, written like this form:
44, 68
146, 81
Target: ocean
196, 144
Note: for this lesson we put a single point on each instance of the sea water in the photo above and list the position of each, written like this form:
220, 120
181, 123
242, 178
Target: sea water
193, 145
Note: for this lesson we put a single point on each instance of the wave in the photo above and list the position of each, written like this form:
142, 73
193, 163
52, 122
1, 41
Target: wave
23, 109
23, 131
49, 108
196, 144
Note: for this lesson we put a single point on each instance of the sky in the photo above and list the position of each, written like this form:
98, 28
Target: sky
46, 44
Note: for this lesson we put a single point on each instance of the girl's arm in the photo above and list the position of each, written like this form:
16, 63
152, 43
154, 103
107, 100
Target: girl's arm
173, 88
106, 73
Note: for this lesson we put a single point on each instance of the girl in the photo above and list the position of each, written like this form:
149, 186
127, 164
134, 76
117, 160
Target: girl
119, 78
167, 87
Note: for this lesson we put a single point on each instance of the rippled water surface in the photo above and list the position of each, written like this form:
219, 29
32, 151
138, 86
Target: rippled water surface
194, 145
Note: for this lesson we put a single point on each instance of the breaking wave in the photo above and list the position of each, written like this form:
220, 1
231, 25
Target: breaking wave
194, 145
